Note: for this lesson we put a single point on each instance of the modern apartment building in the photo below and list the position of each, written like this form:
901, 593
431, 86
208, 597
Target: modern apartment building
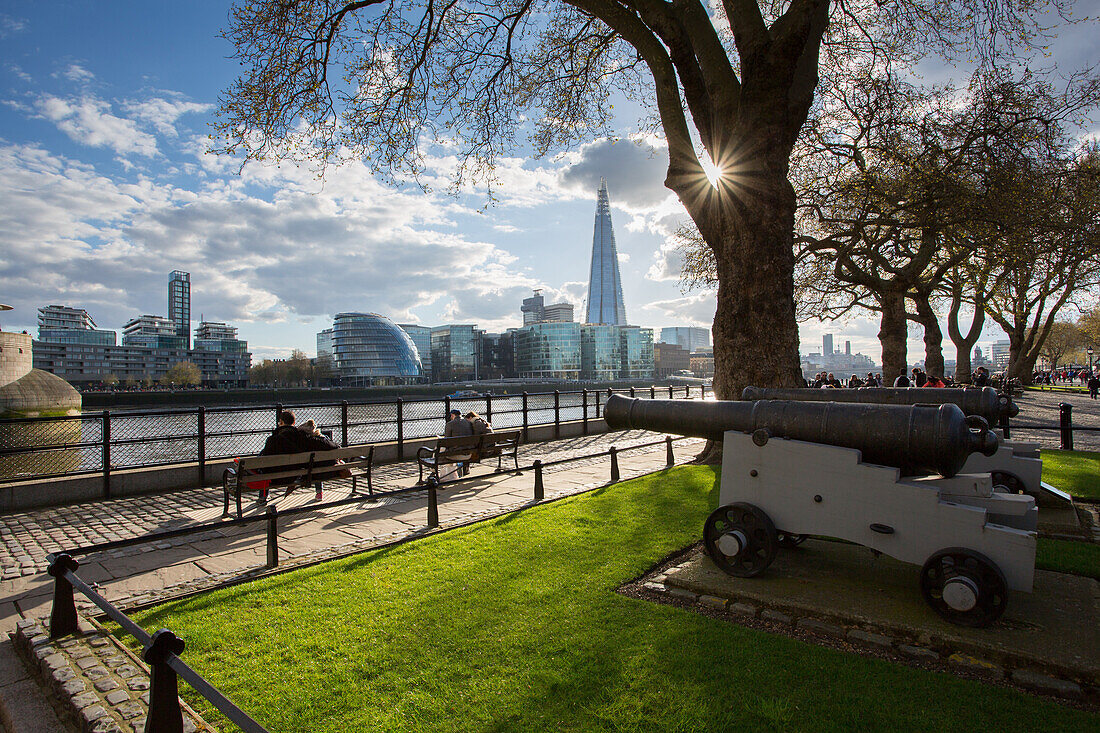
153, 332
90, 363
179, 304
217, 336
59, 324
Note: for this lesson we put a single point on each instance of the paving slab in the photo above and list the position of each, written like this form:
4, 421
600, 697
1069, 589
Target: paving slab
1057, 625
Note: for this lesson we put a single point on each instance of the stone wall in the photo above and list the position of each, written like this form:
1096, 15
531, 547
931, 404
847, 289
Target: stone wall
15, 356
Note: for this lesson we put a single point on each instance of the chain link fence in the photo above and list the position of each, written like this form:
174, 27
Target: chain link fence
44, 447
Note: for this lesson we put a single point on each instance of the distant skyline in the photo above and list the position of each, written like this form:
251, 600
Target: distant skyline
105, 188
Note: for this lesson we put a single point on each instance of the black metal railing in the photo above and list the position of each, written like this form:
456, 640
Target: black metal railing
104, 442
160, 651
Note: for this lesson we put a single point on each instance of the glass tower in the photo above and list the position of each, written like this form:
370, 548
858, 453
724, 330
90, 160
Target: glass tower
179, 304
605, 287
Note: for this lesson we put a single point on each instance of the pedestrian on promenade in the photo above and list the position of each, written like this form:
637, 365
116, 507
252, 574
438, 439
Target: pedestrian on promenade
287, 439
1093, 384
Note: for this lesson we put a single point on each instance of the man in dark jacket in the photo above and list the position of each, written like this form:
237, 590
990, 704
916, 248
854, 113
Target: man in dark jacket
288, 439
1093, 384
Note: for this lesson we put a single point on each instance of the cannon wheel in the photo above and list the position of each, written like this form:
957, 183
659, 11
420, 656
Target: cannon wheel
964, 586
741, 539
789, 541
1009, 482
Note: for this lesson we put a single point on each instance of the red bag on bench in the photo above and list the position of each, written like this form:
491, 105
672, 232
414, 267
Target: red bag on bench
258, 484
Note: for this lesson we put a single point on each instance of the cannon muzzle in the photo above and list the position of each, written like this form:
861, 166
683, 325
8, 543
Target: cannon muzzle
981, 401
918, 439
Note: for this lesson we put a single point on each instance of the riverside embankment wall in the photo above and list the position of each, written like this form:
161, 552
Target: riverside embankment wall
130, 482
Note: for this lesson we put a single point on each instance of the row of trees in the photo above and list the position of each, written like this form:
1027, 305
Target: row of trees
297, 371
1069, 342
733, 81
916, 202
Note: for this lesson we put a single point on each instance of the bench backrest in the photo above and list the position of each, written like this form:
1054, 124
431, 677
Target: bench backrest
493, 444
293, 465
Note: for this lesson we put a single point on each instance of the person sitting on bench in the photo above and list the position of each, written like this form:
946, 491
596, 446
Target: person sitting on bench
288, 439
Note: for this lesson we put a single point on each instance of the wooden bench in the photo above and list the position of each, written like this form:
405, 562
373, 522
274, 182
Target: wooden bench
297, 469
469, 449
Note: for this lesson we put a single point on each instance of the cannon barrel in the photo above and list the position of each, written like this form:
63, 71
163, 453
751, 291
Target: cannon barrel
918, 439
981, 401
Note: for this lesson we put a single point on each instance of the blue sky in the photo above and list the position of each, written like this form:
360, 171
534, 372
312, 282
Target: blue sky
106, 186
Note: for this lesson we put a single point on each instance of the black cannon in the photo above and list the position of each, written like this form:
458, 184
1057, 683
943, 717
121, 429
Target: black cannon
791, 470
985, 402
918, 439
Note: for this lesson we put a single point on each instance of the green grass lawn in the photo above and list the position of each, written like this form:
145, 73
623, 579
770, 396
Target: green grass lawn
1075, 472
1064, 556
514, 624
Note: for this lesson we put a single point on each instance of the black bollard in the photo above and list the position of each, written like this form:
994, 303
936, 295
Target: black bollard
670, 460
1065, 423
272, 537
63, 613
165, 714
433, 502
614, 463
539, 491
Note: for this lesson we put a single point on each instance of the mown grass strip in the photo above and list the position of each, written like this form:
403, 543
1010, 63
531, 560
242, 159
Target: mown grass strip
1076, 472
1066, 556
514, 624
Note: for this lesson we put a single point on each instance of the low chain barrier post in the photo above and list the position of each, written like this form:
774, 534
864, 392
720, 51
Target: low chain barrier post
557, 414
272, 537
1065, 423
525, 417
584, 411
106, 454
202, 445
614, 463
63, 614
165, 713
539, 491
652, 392
400, 428
433, 502
670, 459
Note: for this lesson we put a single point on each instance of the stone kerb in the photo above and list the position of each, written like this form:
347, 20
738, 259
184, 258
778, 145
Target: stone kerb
95, 684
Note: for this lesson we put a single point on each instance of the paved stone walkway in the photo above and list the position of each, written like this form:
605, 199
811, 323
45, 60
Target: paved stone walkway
125, 573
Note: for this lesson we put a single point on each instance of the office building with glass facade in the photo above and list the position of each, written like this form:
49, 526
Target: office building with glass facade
179, 304
605, 287
369, 349
601, 352
456, 353
637, 350
691, 338
422, 337
59, 324
548, 351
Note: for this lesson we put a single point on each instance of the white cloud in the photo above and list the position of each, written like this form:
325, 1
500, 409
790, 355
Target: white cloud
163, 113
77, 73
88, 121
10, 26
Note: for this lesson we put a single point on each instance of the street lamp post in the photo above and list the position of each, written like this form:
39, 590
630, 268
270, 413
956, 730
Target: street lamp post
1089, 352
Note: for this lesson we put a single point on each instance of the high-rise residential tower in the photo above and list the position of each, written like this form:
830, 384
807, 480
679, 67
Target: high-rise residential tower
179, 304
605, 287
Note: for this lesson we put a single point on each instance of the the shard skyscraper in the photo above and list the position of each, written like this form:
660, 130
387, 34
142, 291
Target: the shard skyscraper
605, 287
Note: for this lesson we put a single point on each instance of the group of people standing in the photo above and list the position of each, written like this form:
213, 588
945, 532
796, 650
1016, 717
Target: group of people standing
918, 378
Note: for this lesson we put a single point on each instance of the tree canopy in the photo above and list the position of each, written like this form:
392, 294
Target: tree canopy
733, 81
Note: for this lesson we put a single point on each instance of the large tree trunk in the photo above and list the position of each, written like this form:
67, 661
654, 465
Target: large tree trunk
963, 344
933, 337
892, 334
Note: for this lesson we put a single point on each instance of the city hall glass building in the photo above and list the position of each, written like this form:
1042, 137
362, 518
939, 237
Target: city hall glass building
370, 349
